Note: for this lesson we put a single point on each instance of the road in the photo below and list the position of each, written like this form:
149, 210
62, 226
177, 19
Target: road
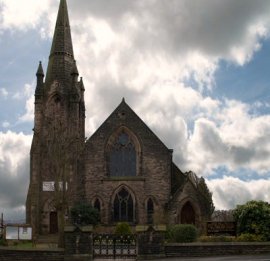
265, 257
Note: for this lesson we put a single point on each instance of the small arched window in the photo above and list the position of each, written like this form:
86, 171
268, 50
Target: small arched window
123, 206
97, 205
150, 211
122, 156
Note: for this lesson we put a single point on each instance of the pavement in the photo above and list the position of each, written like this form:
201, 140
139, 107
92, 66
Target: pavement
264, 257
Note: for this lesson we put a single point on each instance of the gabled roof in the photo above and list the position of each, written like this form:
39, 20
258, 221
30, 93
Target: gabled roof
123, 115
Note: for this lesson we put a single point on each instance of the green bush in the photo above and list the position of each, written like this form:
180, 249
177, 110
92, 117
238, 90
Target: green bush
253, 218
247, 237
84, 214
3, 242
122, 229
182, 233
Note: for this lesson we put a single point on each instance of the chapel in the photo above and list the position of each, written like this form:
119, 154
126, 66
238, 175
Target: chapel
123, 170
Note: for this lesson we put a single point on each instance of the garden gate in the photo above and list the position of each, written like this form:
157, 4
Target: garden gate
113, 246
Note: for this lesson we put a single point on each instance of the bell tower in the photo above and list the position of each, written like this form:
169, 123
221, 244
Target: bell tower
59, 134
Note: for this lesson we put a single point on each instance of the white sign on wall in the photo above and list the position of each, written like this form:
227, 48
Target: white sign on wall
48, 186
14, 232
25, 233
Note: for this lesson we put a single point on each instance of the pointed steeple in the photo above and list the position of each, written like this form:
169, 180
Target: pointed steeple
62, 43
40, 70
40, 76
61, 58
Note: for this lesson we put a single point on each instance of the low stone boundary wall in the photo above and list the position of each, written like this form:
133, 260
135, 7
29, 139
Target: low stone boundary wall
216, 249
31, 255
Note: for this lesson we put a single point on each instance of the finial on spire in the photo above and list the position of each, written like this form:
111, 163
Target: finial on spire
123, 99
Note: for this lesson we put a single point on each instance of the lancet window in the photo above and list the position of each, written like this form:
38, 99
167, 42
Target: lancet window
123, 206
150, 211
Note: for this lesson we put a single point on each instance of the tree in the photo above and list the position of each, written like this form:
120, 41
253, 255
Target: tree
253, 218
63, 152
84, 214
205, 197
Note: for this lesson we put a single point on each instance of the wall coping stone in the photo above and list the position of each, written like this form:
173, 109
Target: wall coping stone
32, 249
71, 229
145, 228
220, 244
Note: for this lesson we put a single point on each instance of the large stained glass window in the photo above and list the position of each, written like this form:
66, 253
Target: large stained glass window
123, 206
122, 157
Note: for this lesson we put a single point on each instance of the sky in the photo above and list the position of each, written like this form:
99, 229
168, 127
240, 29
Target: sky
196, 72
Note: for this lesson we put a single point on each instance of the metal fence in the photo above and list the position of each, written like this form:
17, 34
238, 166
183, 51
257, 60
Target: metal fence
112, 246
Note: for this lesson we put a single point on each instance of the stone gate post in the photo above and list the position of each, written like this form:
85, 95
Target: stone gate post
78, 243
151, 241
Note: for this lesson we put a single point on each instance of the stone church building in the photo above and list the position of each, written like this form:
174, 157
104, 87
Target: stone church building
124, 170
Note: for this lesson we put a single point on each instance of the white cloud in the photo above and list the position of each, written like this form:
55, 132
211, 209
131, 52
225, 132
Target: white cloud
28, 93
228, 192
14, 171
3, 93
234, 138
6, 124
22, 15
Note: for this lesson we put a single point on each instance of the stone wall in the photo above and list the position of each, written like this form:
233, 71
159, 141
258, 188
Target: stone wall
31, 255
216, 249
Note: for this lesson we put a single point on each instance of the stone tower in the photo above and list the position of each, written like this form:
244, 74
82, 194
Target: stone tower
59, 133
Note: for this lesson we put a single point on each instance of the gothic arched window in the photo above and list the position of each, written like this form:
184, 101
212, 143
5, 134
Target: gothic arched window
123, 206
150, 211
122, 156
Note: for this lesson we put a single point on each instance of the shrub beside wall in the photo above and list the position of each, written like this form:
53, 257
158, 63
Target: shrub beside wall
123, 229
182, 233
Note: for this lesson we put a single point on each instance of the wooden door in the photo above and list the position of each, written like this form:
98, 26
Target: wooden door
188, 214
53, 222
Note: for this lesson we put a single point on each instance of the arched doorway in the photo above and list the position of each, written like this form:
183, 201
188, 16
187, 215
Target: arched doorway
53, 222
187, 214
123, 206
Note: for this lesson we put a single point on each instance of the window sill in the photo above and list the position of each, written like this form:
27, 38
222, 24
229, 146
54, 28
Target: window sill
124, 179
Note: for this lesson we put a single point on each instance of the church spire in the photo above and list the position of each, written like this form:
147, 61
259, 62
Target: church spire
61, 58
62, 43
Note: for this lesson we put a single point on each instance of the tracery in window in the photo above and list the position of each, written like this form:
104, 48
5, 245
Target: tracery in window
123, 206
122, 156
